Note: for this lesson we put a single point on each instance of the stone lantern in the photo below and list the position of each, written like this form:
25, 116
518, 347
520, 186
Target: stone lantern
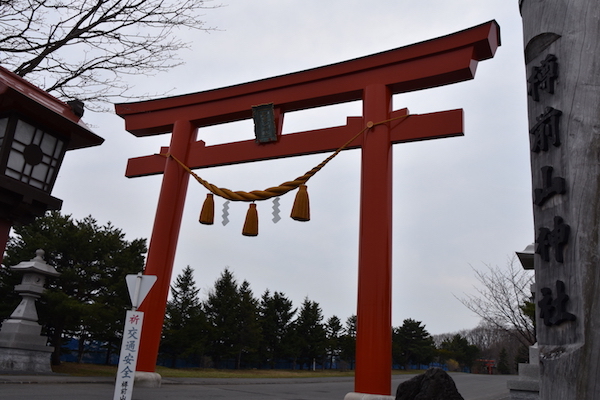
22, 348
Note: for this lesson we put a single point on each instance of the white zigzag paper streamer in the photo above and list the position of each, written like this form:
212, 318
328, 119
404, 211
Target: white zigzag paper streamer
276, 216
225, 213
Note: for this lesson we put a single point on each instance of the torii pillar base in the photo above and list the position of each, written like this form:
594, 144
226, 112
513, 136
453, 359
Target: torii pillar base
147, 379
364, 396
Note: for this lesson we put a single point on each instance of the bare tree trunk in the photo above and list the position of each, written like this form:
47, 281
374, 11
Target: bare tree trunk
108, 352
562, 54
80, 348
57, 343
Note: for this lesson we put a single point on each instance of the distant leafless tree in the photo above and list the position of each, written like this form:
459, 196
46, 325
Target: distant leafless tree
486, 336
84, 48
491, 342
501, 300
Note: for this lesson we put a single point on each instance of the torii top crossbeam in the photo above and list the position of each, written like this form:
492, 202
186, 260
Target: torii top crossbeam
432, 63
372, 79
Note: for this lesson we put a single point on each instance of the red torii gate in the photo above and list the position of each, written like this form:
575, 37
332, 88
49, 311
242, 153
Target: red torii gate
372, 79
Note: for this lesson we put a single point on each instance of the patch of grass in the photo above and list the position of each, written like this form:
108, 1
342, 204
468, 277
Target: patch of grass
407, 372
249, 373
75, 369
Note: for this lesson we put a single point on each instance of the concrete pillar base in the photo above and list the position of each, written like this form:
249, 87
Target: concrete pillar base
365, 396
35, 360
147, 379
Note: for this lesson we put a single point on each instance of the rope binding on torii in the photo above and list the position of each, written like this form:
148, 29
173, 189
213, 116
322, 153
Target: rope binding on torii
300, 209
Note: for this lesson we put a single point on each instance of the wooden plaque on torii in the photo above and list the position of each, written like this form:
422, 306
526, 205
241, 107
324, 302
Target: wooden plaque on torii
372, 79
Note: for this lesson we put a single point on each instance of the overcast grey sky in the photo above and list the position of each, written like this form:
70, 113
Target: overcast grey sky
459, 203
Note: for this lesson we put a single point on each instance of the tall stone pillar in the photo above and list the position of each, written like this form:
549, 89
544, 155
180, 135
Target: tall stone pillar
562, 56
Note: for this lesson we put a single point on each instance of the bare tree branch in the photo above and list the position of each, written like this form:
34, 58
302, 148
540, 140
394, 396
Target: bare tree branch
83, 48
500, 299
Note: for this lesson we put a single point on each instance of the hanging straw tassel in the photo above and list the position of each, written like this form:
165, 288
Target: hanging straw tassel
251, 224
207, 215
301, 209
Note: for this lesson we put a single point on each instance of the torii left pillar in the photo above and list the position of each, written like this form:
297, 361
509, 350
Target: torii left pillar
372, 79
165, 234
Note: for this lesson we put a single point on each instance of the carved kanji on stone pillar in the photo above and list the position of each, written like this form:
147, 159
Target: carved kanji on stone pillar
543, 77
546, 131
554, 310
550, 186
556, 238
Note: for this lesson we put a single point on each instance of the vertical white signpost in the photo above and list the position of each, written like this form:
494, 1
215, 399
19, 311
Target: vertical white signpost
139, 285
128, 355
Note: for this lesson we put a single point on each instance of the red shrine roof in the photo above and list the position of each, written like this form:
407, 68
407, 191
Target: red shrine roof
19, 95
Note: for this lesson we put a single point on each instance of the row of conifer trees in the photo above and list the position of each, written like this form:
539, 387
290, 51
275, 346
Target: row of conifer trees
232, 328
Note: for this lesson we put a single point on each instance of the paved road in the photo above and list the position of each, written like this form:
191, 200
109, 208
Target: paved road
472, 387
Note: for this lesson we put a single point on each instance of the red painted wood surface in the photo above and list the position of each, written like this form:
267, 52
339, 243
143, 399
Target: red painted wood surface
374, 312
163, 243
436, 62
417, 127
373, 79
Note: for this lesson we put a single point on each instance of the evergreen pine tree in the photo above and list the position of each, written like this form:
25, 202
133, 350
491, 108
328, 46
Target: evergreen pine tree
348, 341
88, 300
459, 349
276, 313
333, 330
221, 313
184, 331
412, 344
249, 328
503, 367
232, 314
310, 333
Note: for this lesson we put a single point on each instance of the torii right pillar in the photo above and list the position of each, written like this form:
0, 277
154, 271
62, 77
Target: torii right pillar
562, 55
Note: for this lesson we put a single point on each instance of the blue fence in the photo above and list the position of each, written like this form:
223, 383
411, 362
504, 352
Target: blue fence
95, 353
